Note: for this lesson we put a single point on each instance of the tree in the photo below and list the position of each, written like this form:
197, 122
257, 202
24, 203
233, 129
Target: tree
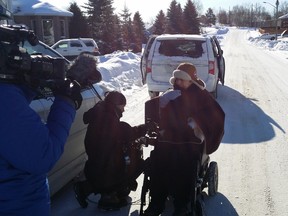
211, 18
78, 24
119, 44
223, 17
126, 28
160, 23
175, 19
190, 19
101, 23
139, 32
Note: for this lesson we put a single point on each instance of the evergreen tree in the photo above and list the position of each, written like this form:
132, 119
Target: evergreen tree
211, 18
223, 17
94, 17
101, 23
126, 28
160, 23
190, 19
139, 31
119, 45
174, 17
78, 24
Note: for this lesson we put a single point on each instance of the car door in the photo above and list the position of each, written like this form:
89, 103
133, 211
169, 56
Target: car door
144, 57
220, 59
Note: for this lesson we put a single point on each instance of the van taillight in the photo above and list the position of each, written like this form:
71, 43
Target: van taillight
211, 67
148, 68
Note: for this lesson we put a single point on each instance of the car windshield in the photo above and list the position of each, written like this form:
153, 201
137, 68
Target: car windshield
39, 49
191, 48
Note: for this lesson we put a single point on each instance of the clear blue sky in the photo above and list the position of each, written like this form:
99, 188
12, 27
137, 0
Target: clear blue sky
148, 9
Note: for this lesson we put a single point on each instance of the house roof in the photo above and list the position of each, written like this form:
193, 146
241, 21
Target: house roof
37, 8
285, 16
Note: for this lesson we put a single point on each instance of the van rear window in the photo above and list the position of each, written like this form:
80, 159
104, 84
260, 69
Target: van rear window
190, 48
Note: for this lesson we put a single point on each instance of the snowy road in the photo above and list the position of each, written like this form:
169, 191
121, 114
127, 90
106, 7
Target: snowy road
253, 156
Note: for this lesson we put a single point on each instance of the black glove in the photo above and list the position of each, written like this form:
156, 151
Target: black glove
151, 127
72, 90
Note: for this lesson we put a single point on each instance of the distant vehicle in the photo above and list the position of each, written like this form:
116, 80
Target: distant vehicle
267, 36
72, 161
163, 53
71, 48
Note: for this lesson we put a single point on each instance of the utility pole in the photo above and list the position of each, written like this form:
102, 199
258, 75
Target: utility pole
276, 16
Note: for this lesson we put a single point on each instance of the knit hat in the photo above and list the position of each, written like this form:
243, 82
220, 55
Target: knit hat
115, 98
187, 71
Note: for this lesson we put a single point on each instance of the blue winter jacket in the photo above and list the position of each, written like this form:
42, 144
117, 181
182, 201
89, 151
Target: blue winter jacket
28, 150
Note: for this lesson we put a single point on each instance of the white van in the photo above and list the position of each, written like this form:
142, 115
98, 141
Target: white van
164, 53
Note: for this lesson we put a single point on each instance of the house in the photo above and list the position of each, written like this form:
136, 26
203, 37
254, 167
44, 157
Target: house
5, 11
284, 21
49, 22
270, 25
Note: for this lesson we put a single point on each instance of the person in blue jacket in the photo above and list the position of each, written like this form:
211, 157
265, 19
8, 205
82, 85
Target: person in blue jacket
29, 148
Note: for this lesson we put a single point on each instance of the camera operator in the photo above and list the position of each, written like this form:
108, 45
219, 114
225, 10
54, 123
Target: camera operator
29, 148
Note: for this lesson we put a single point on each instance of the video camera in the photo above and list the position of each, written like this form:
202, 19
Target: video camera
17, 66
40, 71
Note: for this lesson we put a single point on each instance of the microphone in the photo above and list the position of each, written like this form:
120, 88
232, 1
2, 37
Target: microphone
84, 70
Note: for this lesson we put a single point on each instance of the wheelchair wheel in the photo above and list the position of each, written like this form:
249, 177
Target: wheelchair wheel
212, 178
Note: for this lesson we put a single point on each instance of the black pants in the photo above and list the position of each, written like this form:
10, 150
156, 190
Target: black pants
173, 171
128, 174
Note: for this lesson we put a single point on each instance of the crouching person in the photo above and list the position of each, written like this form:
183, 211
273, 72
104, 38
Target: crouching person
108, 146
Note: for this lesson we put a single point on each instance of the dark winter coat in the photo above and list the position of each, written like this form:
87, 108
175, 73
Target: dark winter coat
104, 143
198, 105
28, 150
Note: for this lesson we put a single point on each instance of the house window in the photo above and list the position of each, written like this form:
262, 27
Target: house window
62, 29
48, 31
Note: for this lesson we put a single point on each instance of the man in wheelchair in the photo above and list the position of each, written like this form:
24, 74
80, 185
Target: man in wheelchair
191, 123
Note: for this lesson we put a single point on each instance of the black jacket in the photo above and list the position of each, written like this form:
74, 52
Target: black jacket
105, 140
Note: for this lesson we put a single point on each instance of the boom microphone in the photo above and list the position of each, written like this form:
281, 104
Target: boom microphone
84, 70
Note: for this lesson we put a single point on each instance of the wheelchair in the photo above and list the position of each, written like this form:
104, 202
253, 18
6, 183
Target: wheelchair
206, 171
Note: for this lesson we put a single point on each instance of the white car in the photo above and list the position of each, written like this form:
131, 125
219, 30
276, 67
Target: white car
267, 36
71, 48
73, 159
164, 53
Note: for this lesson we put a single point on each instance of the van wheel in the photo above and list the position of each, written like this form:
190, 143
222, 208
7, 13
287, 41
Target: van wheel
153, 94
